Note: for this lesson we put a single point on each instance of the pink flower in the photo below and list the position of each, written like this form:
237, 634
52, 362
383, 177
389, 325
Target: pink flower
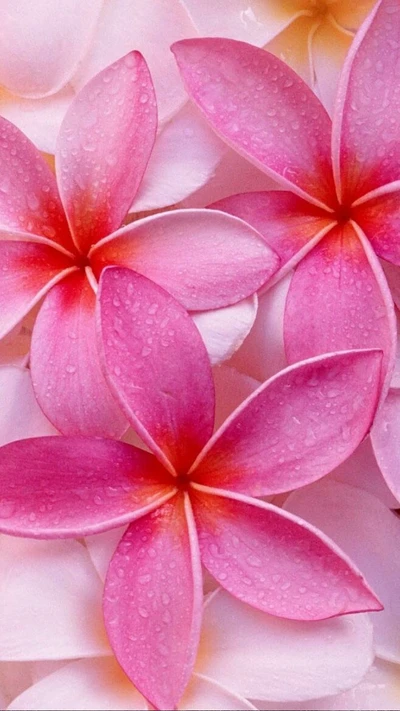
103, 148
343, 200
192, 500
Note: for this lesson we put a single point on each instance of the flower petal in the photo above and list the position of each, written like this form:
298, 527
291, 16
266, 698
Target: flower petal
384, 438
35, 61
186, 154
21, 415
224, 330
273, 561
365, 126
339, 299
287, 223
127, 25
153, 602
368, 532
82, 685
101, 548
252, 101
329, 48
204, 694
380, 220
29, 199
65, 365
99, 170
28, 271
295, 428
50, 601
204, 258
156, 365
231, 388
61, 487
262, 657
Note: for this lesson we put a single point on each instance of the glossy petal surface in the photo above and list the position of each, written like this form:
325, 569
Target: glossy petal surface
152, 602
273, 562
251, 99
42, 43
385, 441
28, 271
61, 487
205, 259
339, 299
251, 652
29, 199
370, 534
285, 436
156, 365
98, 169
380, 220
65, 365
365, 131
50, 601
224, 330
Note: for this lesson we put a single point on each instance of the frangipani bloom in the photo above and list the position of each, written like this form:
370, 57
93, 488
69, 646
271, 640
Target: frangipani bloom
207, 261
192, 502
344, 193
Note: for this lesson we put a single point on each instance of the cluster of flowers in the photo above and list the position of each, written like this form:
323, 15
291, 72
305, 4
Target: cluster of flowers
227, 529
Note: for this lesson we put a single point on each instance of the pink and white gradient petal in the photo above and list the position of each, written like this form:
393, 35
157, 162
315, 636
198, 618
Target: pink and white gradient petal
224, 330
21, 414
339, 299
204, 258
127, 25
50, 601
29, 199
65, 487
249, 96
384, 438
158, 555
365, 125
170, 403
329, 47
204, 693
274, 561
262, 657
29, 271
99, 171
368, 532
65, 366
41, 45
185, 156
284, 435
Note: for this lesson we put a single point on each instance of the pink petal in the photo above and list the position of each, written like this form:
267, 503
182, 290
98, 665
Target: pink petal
156, 365
35, 61
380, 220
186, 154
339, 299
224, 330
65, 365
29, 200
204, 694
204, 258
127, 25
153, 602
252, 100
50, 601
101, 548
21, 414
39, 119
82, 685
365, 126
61, 487
100, 164
231, 388
28, 271
273, 561
295, 428
368, 532
288, 224
329, 49
385, 441
262, 657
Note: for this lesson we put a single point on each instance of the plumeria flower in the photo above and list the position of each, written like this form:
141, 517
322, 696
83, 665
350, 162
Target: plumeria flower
54, 652
191, 499
56, 246
343, 201
312, 36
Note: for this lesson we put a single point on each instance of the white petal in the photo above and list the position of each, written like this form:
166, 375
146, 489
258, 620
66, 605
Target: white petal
224, 330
